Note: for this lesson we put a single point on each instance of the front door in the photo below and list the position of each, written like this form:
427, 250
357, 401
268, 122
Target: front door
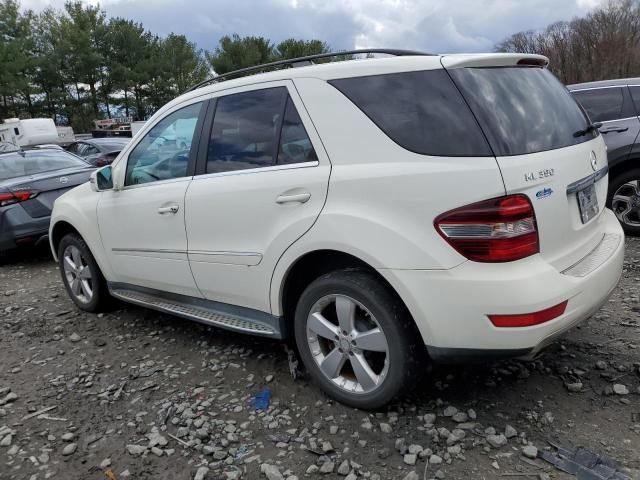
142, 224
260, 185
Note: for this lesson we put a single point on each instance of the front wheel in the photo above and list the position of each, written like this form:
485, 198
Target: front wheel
355, 338
624, 200
81, 275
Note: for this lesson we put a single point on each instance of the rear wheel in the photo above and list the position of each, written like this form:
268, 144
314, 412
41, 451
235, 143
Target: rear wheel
624, 200
81, 275
355, 338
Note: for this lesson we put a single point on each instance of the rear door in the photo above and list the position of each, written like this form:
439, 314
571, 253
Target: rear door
261, 183
614, 108
544, 149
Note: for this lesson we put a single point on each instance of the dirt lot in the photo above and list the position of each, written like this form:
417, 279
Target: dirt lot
136, 394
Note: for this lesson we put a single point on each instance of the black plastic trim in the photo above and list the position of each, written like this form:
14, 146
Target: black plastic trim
205, 138
444, 355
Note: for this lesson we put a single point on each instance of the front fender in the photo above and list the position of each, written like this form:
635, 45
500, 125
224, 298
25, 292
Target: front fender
78, 208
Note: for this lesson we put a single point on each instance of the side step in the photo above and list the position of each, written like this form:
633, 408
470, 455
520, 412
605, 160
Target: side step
229, 317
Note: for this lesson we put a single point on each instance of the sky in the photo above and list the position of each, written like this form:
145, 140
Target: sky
437, 26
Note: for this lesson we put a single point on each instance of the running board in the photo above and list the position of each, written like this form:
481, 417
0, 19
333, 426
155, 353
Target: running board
221, 315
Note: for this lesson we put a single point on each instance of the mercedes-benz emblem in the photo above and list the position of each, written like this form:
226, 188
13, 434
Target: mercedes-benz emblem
594, 161
64, 180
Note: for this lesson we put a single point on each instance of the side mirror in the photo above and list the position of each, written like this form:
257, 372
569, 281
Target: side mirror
102, 179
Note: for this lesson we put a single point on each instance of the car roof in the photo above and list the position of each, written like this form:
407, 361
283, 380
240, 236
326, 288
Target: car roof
36, 149
361, 68
619, 82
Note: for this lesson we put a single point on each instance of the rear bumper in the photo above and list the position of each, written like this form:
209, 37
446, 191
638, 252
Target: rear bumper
17, 227
450, 307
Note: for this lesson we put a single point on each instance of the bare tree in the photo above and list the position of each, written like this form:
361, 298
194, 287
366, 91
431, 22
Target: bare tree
603, 44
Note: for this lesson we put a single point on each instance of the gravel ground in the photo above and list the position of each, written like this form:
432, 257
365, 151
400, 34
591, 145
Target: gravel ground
137, 394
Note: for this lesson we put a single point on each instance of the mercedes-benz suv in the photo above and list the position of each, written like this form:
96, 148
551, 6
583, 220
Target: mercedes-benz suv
373, 210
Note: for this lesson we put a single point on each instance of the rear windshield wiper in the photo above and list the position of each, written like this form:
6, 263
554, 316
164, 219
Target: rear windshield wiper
590, 128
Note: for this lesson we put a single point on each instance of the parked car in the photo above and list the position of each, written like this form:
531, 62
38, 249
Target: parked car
99, 151
365, 208
30, 181
616, 104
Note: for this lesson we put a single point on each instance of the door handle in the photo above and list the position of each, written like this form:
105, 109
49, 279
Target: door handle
294, 197
169, 209
614, 129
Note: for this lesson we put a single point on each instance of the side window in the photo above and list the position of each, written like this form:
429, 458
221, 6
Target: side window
81, 149
245, 130
421, 111
163, 153
295, 145
635, 94
91, 150
603, 104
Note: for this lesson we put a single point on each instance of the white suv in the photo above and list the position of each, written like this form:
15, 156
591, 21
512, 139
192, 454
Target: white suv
366, 208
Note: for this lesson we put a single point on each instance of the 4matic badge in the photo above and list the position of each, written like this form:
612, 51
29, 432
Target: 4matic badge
544, 193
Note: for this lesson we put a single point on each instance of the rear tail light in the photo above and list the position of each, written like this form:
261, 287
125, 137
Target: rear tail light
498, 230
8, 198
529, 319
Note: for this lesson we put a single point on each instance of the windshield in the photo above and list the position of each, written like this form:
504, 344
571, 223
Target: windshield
32, 162
522, 109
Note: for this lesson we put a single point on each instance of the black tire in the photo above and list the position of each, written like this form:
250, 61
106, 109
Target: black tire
100, 300
393, 319
614, 185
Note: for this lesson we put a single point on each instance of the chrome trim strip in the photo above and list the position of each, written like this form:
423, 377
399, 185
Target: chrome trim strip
194, 252
586, 181
156, 182
235, 254
257, 170
619, 119
147, 250
598, 88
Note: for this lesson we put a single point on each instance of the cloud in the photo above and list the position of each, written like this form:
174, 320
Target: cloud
432, 25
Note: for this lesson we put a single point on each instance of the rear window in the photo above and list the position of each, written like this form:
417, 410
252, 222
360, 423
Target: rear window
420, 111
14, 165
112, 144
604, 104
522, 109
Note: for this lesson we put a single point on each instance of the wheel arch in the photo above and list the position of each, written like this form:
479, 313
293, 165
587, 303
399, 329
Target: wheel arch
63, 226
313, 264
58, 231
620, 167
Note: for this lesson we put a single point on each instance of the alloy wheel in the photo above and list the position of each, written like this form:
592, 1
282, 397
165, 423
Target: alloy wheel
347, 344
626, 203
78, 274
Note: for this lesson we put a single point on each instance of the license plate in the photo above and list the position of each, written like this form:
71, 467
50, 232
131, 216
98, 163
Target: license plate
588, 203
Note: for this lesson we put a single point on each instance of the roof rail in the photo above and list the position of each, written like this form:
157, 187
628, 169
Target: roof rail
304, 61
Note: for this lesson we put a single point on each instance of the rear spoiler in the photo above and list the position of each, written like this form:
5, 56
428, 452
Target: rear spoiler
493, 60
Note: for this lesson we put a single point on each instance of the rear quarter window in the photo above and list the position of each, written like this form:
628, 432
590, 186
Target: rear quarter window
421, 111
